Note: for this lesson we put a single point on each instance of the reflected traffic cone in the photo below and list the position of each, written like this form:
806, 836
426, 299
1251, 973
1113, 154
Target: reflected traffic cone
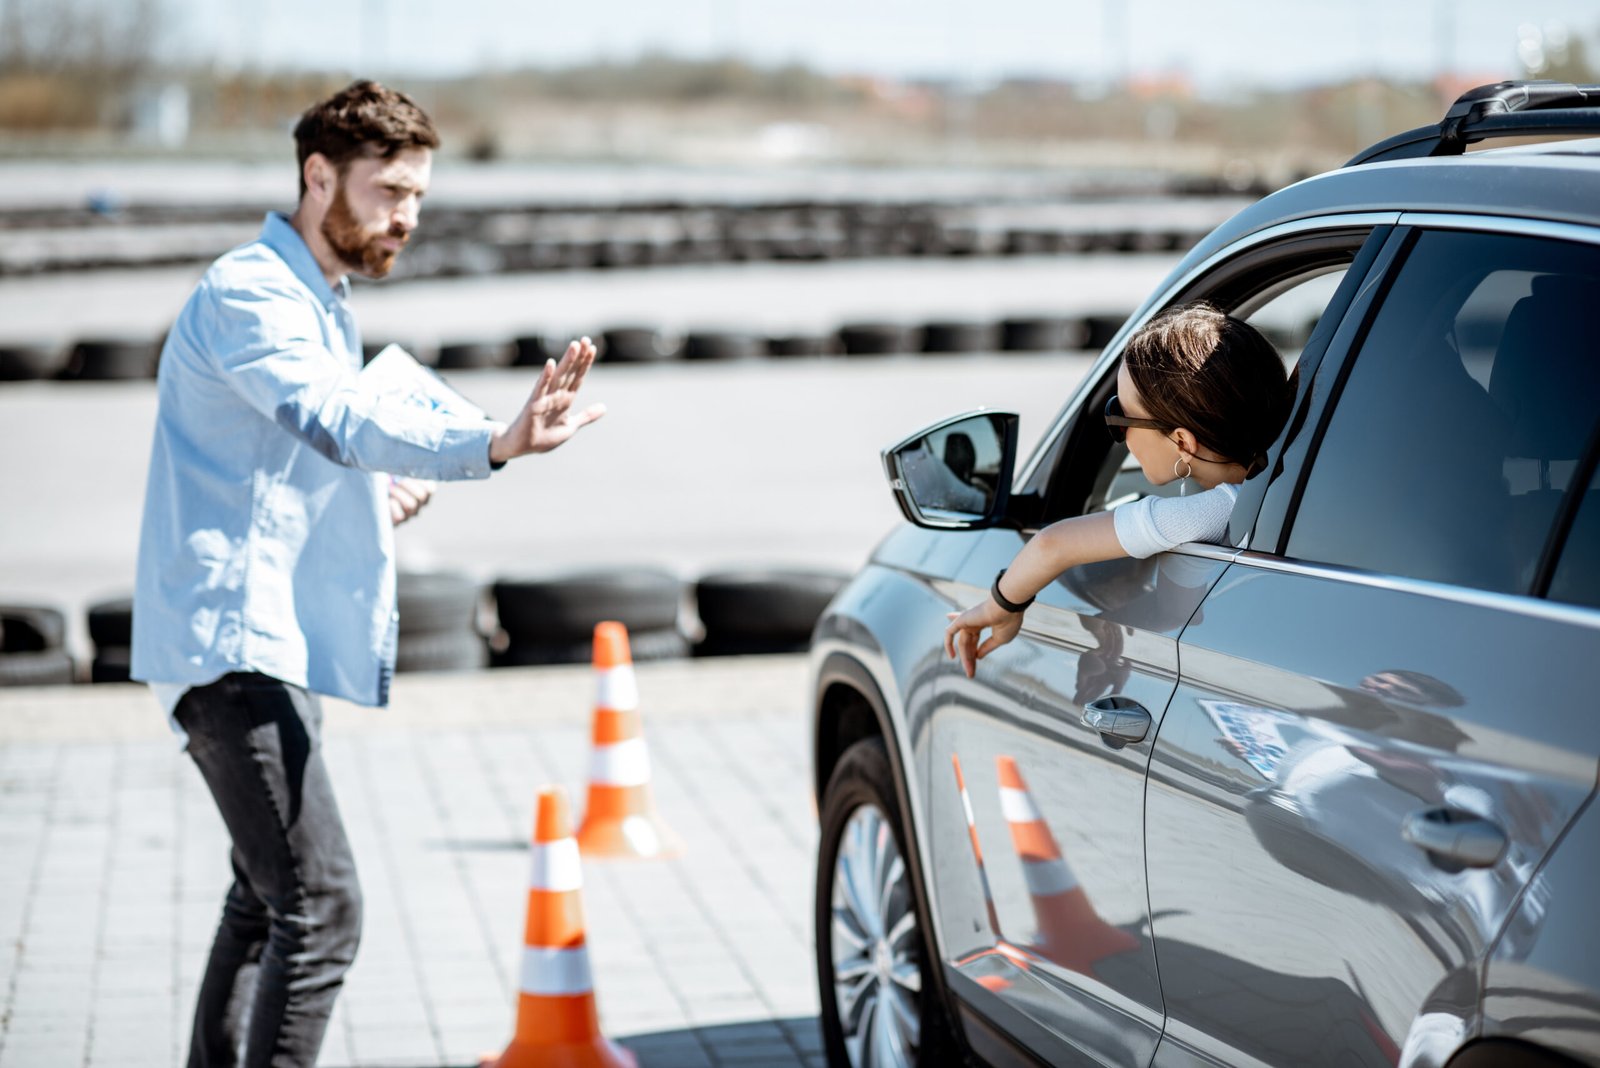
620, 819
977, 847
1071, 933
558, 1025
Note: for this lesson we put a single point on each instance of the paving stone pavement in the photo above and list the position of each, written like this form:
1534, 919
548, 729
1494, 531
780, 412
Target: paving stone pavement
113, 863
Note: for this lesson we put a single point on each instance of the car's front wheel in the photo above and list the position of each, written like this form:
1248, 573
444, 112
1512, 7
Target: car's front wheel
878, 1008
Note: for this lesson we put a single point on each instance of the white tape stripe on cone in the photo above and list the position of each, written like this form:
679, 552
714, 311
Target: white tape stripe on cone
617, 689
556, 866
966, 805
1018, 806
620, 764
1047, 877
556, 972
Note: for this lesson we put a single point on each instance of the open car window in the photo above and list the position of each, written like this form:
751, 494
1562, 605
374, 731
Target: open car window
1286, 313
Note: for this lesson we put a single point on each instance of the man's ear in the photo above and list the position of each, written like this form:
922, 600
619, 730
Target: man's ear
321, 178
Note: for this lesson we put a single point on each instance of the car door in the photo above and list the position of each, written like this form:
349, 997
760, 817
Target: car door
1382, 724
1035, 769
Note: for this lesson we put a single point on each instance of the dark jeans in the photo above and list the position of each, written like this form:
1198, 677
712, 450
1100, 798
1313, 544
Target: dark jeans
292, 918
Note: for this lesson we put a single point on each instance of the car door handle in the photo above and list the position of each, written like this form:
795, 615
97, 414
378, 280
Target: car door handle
1120, 721
1455, 839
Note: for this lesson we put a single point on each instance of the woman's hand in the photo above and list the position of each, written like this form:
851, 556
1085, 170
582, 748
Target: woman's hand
961, 637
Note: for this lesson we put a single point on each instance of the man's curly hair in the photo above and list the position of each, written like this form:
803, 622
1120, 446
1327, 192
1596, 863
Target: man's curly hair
362, 119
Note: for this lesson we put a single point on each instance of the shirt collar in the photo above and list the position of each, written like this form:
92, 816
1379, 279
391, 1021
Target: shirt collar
278, 234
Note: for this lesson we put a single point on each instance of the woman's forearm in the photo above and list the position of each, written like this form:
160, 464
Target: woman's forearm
1063, 544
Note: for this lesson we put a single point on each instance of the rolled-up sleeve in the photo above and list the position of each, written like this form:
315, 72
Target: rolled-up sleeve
266, 344
1152, 525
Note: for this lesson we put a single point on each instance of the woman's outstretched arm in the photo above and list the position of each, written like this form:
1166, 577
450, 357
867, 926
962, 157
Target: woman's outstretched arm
1067, 543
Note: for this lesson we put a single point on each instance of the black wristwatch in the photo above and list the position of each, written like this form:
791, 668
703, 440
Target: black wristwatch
1000, 598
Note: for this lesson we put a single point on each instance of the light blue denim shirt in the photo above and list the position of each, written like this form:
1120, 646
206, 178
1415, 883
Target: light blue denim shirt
266, 543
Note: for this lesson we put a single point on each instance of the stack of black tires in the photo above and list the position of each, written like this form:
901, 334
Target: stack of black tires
31, 652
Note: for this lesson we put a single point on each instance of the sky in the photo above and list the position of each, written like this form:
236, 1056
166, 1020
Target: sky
1216, 42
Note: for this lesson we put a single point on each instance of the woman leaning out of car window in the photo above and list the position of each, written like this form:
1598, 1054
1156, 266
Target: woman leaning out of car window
1200, 396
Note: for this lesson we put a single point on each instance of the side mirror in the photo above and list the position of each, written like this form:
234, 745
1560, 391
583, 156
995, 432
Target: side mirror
956, 475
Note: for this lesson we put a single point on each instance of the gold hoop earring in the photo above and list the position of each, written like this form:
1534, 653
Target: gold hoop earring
1188, 469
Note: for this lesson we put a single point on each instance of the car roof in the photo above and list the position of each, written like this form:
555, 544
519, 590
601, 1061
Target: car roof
1555, 181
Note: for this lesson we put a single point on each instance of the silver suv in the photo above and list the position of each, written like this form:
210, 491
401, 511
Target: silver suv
1321, 795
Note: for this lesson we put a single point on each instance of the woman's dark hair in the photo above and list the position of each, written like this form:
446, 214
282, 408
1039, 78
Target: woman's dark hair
362, 119
1197, 367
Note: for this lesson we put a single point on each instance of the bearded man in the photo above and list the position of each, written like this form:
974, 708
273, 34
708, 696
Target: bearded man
266, 554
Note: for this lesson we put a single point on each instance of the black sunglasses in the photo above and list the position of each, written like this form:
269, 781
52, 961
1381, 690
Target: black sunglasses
1117, 423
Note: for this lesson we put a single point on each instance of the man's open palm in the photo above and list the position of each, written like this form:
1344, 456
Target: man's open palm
548, 419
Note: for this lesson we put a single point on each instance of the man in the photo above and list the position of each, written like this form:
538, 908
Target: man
266, 572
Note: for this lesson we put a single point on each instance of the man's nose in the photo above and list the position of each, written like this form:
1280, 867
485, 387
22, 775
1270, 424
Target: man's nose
405, 214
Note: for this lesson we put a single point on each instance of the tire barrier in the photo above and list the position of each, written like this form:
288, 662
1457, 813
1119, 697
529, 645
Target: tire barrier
438, 626
1043, 334
111, 631
960, 337
30, 647
761, 611
879, 339
645, 344
468, 355
720, 345
802, 345
551, 620
21, 361
638, 344
112, 359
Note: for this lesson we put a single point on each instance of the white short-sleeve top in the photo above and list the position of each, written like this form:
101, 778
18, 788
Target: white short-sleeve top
1152, 525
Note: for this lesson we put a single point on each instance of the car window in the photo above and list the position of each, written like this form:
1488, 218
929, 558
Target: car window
1463, 417
1285, 314
1577, 575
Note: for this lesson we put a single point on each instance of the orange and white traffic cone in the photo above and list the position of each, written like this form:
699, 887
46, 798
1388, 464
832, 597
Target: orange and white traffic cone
558, 1025
1071, 933
620, 819
991, 982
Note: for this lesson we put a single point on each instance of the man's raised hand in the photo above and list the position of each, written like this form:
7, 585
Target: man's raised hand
548, 419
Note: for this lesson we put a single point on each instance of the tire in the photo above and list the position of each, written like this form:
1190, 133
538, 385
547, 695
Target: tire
860, 799
458, 651
30, 628
734, 645
777, 607
803, 345
110, 664
1102, 328
471, 355
960, 337
22, 362
111, 622
48, 667
563, 609
534, 349
637, 344
644, 646
724, 346
1043, 334
437, 603
878, 339
112, 359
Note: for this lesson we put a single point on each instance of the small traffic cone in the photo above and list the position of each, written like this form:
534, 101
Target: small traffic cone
620, 819
1071, 933
558, 1025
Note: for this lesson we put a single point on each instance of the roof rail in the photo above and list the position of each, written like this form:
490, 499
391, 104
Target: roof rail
1504, 109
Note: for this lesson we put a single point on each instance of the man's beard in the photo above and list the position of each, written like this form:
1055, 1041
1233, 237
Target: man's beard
355, 248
